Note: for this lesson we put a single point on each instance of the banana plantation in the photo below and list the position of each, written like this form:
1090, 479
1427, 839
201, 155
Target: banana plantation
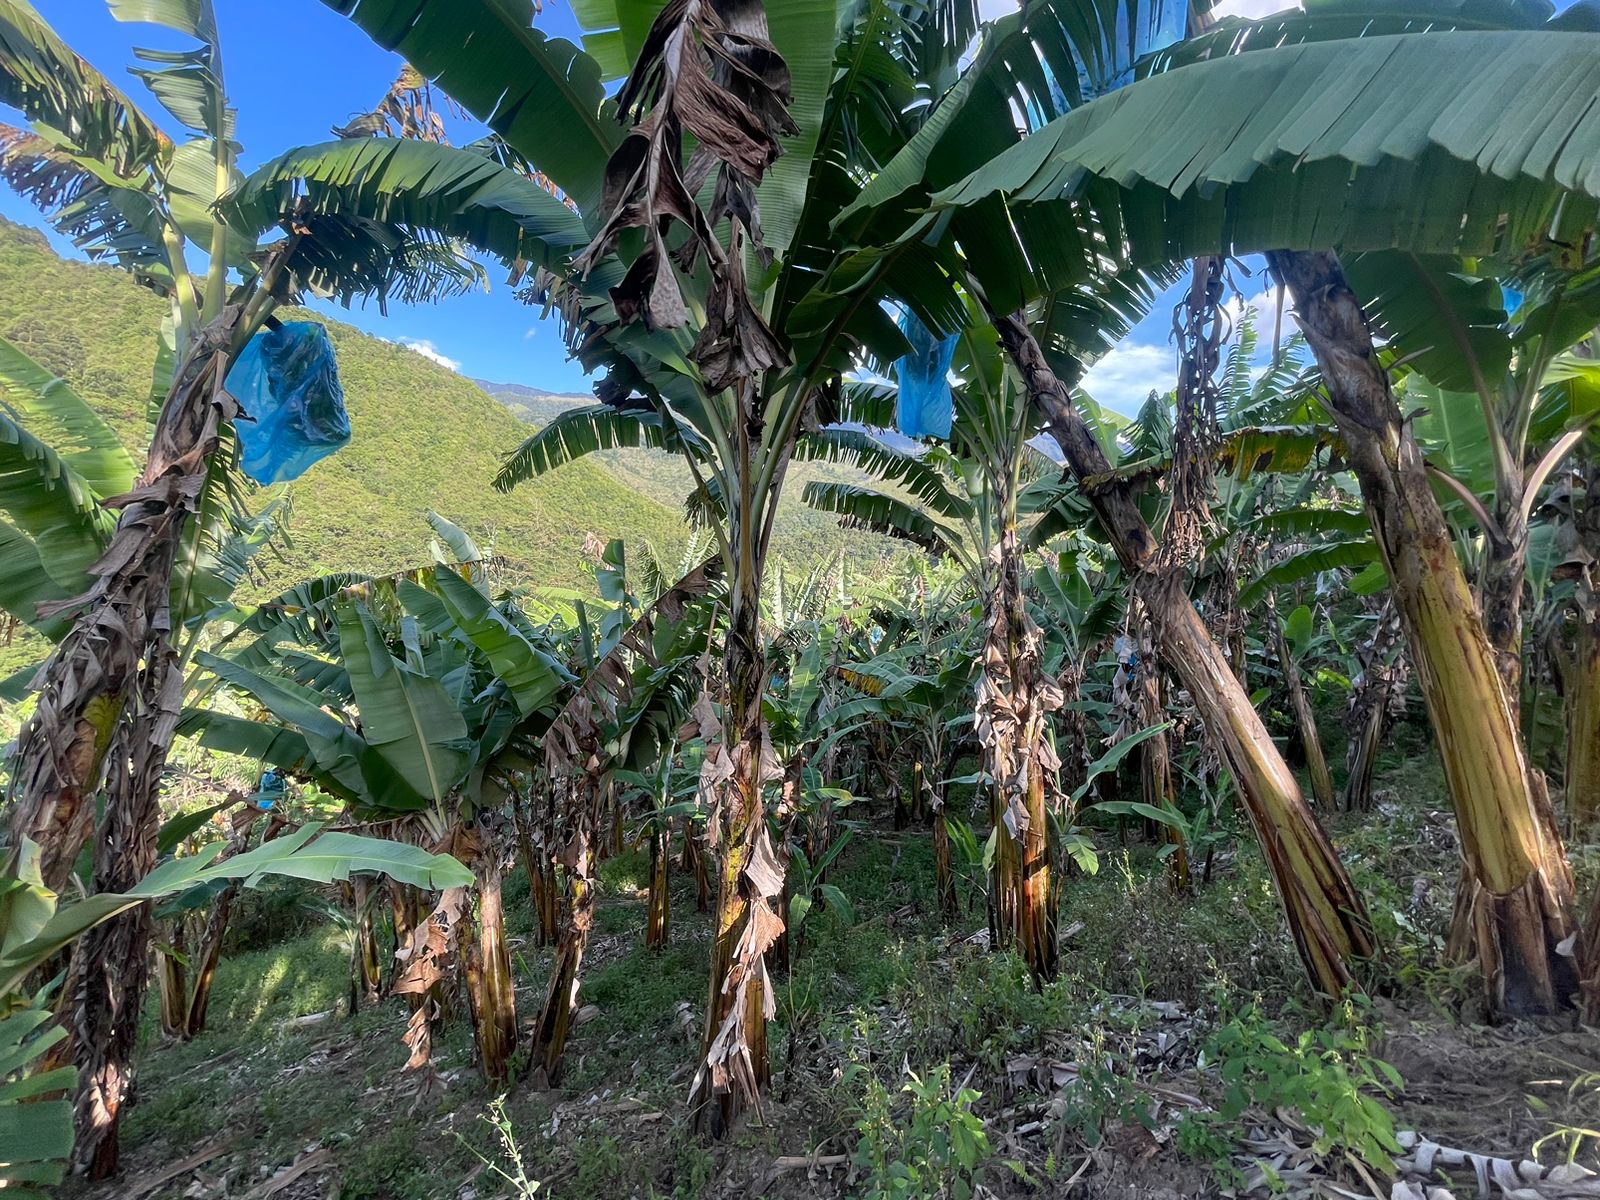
1178, 789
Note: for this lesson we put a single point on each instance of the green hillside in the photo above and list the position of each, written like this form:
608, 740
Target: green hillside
423, 437
802, 536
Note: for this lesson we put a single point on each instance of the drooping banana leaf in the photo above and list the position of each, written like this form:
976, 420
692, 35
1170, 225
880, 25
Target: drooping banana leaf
1468, 143
543, 95
406, 717
43, 498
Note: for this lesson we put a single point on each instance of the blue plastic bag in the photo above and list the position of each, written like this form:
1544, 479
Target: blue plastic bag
270, 791
924, 404
287, 383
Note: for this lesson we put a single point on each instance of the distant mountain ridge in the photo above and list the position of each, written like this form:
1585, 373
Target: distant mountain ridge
802, 536
534, 405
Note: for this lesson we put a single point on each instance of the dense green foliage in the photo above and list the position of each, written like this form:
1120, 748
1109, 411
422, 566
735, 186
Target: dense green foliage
1001, 862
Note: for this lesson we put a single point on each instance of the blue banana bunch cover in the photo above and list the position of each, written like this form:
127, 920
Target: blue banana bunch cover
287, 382
924, 405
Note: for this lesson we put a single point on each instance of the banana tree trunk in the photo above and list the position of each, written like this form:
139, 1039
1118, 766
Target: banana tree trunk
1326, 916
489, 982
1362, 757
944, 875
89, 679
173, 981
1156, 774
1305, 720
660, 905
110, 968
572, 939
1014, 700
1523, 912
536, 865
1583, 682
207, 956
1005, 876
694, 862
405, 907
367, 970
1583, 727
734, 1069
424, 965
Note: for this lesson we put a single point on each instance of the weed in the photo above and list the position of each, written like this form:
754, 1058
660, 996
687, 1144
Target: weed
936, 1149
1328, 1075
509, 1166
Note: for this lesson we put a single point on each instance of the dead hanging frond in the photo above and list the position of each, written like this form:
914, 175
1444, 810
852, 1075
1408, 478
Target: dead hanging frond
1013, 706
707, 71
123, 621
1200, 326
406, 111
424, 965
39, 170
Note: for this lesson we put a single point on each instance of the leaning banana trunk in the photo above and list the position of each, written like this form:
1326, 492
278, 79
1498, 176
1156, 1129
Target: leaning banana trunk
555, 1018
209, 955
1325, 914
1523, 912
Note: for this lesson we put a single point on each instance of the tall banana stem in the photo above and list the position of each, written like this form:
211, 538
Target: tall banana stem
1326, 915
1523, 911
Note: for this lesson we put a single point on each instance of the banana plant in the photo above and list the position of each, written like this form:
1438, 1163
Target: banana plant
109, 177
920, 674
1261, 173
632, 707
970, 501
665, 794
718, 352
435, 694
36, 1131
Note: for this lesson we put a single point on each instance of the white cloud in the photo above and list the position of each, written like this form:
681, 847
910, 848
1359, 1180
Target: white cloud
533, 331
428, 350
1263, 308
1124, 377
991, 10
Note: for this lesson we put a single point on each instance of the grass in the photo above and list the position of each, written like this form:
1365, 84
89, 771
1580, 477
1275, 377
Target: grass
895, 990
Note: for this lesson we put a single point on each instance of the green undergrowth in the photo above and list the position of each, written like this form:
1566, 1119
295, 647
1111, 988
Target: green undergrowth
885, 1022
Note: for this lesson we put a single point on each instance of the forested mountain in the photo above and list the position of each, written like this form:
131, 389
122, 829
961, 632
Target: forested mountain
423, 437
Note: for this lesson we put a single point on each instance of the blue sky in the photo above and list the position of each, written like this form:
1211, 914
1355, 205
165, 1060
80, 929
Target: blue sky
295, 68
